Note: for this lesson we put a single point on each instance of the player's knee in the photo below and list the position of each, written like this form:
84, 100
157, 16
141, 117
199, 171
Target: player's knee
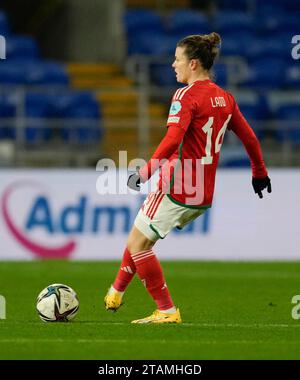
138, 242
134, 247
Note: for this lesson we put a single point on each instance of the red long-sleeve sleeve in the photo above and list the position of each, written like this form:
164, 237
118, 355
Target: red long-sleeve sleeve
245, 133
166, 148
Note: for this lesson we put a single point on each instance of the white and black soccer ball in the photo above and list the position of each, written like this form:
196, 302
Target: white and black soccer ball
57, 303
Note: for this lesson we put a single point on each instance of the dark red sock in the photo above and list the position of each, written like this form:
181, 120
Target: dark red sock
126, 272
150, 272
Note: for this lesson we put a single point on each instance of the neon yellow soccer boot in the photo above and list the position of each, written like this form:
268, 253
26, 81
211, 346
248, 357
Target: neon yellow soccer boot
113, 300
161, 317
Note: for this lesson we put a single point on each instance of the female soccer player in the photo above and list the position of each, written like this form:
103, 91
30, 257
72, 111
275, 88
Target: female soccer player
187, 158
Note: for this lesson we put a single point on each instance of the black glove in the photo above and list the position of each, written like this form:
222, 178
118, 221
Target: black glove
134, 181
261, 183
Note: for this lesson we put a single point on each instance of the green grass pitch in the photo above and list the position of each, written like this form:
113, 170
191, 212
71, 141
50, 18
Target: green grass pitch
230, 311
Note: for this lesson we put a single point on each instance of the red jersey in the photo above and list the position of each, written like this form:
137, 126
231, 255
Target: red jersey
200, 114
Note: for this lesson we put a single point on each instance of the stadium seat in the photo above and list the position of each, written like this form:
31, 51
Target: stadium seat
292, 76
19, 72
288, 116
4, 24
255, 109
186, 22
274, 24
142, 20
278, 6
234, 22
80, 107
220, 74
46, 73
85, 117
12, 73
268, 7
290, 5
268, 48
37, 106
242, 5
231, 45
72, 99
21, 47
163, 75
236, 162
156, 44
86, 129
7, 110
7, 106
253, 106
264, 74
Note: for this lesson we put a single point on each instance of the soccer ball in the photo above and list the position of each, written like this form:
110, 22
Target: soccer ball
57, 303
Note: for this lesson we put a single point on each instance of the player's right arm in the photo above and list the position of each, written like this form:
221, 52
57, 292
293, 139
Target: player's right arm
165, 149
245, 133
179, 119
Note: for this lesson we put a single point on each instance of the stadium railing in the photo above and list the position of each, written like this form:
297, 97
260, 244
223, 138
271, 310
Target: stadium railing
40, 141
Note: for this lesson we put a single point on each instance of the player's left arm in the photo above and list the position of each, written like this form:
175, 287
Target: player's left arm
260, 178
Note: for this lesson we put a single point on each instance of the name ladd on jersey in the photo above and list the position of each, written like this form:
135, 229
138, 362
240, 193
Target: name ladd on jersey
175, 108
218, 101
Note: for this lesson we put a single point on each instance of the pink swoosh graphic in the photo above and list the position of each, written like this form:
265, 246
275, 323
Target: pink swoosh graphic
39, 250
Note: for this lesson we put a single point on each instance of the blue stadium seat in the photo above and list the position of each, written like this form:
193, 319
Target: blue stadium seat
156, 44
255, 109
83, 108
289, 116
21, 47
87, 127
253, 106
7, 110
290, 5
242, 5
268, 48
12, 73
7, 106
236, 162
231, 45
19, 72
142, 20
163, 75
220, 74
4, 24
186, 22
46, 73
37, 106
234, 22
275, 23
278, 6
72, 99
292, 76
268, 7
265, 74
